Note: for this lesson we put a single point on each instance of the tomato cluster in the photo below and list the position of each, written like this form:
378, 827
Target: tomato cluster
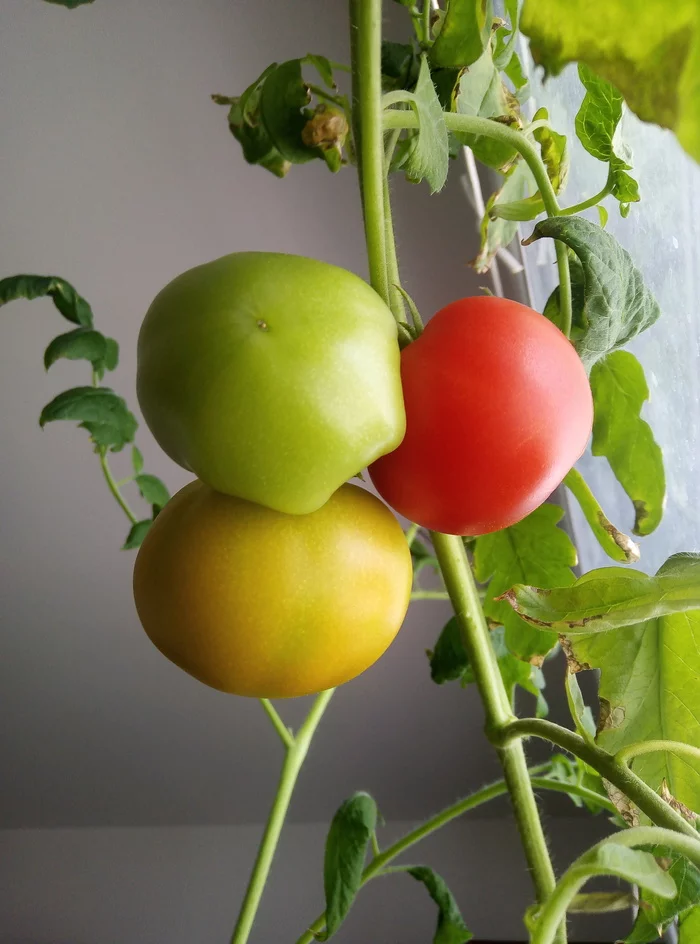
276, 378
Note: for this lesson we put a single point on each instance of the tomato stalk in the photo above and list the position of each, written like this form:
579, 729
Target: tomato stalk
366, 51
529, 153
369, 125
610, 767
474, 631
297, 747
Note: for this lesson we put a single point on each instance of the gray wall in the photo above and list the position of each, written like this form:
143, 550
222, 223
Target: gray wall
118, 173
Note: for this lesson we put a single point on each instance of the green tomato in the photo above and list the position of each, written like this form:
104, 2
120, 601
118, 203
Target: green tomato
274, 378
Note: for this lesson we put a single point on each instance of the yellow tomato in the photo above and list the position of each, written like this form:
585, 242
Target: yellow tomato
256, 602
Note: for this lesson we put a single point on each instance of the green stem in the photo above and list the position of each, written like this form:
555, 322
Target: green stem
430, 595
463, 592
392, 263
113, 486
280, 727
365, 37
492, 129
427, 11
411, 533
627, 754
633, 787
554, 911
490, 792
294, 759
326, 96
572, 789
590, 202
616, 545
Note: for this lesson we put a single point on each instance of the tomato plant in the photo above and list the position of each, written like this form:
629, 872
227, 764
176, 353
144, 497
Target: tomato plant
276, 378
223, 589
498, 410
272, 377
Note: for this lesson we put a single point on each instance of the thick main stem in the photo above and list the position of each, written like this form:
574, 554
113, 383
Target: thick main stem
368, 132
460, 584
293, 761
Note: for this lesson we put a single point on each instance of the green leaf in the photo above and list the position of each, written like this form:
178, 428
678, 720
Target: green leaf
448, 660
98, 410
449, 663
482, 93
246, 125
464, 34
400, 66
496, 233
136, 459
617, 305
581, 714
451, 928
70, 4
516, 74
429, 154
648, 690
612, 597
533, 551
152, 490
111, 357
554, 150
71, 305
507, 36
631, 865
602, 215
625, 439
652, 55
136, 535
555, 154
656, 912
86, 344
596, 123
689, 930
346, 848
599, 114
284, 95
573, 772
323, 67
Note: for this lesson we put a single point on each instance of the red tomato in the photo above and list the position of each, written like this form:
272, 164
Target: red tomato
498, 409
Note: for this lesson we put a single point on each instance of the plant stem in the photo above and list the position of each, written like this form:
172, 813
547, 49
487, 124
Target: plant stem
280, 727
528, 151
365, 39
411, 533
633, 787
571, 789
293, 761
427, 11
590, 202
490, 792
113, 486
627, 754
430, 595
554, 911
463, 592
392, 264
616, 545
